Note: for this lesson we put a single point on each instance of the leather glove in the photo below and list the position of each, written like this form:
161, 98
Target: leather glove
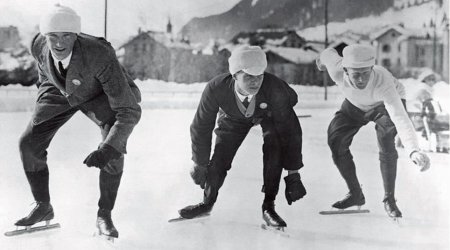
100, 157
294, 188
421, 160
198, 174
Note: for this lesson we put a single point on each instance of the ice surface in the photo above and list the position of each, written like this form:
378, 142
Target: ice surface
156, 184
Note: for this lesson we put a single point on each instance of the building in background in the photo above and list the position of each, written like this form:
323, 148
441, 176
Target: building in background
9, 38
400, 49
157, 55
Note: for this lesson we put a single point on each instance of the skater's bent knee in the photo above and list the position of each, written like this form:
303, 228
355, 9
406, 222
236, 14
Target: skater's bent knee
25, 143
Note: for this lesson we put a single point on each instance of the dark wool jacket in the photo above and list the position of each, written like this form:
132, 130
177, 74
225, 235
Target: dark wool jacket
274, 101
95, 83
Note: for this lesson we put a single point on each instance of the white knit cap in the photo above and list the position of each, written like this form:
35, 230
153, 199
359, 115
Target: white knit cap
250, 59
426, 73
60, 19
358, 56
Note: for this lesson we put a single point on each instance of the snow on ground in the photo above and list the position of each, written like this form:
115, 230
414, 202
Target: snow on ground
161, 94
156, 184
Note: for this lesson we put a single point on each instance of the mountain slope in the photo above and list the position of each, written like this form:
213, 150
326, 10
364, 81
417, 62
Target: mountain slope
255, 14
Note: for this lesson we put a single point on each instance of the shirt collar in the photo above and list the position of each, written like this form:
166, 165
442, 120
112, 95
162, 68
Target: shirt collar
242, 97
65, 62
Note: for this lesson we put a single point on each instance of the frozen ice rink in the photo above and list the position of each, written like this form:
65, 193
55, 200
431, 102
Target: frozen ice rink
156, 183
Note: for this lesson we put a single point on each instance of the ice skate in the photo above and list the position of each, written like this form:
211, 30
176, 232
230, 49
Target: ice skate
271, 218
42, 212
193, 212
391, 207
350, 200
105, 225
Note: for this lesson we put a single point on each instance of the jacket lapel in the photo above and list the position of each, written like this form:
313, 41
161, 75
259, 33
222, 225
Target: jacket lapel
74, 76
51, 69
262, 104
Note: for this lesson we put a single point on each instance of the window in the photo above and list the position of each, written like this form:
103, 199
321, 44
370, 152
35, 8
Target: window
386, 63
399, 62
399, 47
386, 48
422, 51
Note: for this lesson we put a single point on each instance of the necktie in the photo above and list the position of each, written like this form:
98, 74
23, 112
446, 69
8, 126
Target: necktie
61, 69
245, 102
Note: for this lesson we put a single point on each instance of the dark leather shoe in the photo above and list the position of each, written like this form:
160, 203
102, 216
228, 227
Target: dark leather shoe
391, 208
271, 217
43, 211
201, 209
105, 224
350, 200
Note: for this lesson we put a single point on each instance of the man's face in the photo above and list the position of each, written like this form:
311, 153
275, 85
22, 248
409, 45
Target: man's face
60, 43
430, 80
248, 84
359, 77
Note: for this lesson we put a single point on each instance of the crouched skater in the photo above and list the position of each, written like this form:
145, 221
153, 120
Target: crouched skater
371, 94
246, 97
78, 72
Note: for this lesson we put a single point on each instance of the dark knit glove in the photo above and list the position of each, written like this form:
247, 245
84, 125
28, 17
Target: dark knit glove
100, 157
294, 188
198, 174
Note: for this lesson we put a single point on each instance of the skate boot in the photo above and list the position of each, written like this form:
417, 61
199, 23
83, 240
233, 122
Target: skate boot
43, 211
194, 211
271, 217
105, 224
391, 207
351, 199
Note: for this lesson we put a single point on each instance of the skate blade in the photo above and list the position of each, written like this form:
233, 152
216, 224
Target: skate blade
31, 229
396, 220
105, 237
277, 230
358, 210
179, 219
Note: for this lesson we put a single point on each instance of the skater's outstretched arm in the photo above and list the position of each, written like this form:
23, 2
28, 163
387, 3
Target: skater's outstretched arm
403, 124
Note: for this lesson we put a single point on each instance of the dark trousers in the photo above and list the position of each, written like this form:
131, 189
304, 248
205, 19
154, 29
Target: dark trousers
229, 136
33, 146
345, 124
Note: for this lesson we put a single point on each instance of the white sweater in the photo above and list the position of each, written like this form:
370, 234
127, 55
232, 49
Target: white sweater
382, 88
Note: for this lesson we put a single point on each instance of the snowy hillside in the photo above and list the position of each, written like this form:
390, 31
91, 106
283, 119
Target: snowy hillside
412, 17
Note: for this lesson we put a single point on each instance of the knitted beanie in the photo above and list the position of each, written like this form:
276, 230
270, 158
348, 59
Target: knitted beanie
358, 56
250, 59
60, 19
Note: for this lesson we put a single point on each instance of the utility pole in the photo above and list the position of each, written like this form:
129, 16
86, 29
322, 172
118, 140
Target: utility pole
106, 17
434, 37
445, 67
325, 77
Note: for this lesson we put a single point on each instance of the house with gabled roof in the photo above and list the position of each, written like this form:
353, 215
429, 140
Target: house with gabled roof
156, 55
399, 48
294, 65
340, 41
289, 56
